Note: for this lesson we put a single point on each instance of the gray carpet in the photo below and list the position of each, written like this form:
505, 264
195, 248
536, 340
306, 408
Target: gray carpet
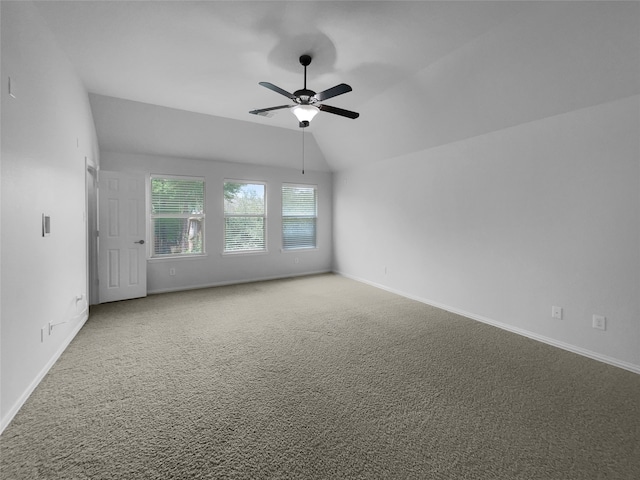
319, 377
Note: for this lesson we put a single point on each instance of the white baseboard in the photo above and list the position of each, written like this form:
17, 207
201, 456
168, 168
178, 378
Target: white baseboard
6, 420
534, 336
235, 282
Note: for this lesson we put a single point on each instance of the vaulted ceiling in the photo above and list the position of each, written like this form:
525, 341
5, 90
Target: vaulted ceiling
423, 73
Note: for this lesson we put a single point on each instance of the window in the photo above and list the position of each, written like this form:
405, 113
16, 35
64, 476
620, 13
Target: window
177, 216
299, 215
244, 217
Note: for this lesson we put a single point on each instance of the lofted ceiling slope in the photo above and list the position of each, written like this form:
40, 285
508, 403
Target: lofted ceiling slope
423, 73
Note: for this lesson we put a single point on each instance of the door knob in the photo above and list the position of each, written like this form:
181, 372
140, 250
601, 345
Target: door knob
141, 242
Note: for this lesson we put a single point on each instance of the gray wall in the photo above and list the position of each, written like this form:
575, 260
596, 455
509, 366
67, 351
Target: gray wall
515, 184
503, 226
216, 268
47, 131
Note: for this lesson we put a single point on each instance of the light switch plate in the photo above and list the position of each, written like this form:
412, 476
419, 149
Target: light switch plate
46, 225
12, 88
599, 322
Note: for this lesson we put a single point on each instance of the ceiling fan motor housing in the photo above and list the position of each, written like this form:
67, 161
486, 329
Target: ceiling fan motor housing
305, 96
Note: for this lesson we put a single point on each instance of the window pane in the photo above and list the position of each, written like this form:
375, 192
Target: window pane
244, 211
243, 233
170, 195
177, 216
174, 236
244, 199
298, 201
298, 232
299, 215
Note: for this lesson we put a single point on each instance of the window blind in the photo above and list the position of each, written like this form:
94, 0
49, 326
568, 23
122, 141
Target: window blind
244, 217
299, 216
177, 216
177, 196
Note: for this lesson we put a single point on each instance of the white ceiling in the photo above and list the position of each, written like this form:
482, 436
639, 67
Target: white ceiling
423, 73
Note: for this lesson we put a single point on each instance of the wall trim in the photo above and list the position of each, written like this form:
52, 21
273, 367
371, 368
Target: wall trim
4, 422
525, 333
236, 282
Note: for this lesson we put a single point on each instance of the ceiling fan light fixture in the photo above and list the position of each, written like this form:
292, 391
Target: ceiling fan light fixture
305, 113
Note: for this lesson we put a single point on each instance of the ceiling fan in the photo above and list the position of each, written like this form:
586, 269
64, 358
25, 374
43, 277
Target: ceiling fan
307, 102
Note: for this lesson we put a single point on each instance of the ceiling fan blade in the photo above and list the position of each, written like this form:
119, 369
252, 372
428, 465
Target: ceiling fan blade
271, 86
263, 111
333, 92
338, 111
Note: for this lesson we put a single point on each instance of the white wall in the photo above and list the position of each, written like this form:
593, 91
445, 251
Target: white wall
47, 131
516, 186
502, 226
216, 268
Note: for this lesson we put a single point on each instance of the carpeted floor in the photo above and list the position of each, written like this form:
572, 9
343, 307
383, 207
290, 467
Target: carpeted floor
318, 377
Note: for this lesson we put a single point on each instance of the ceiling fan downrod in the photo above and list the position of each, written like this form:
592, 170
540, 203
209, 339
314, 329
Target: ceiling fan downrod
304, 96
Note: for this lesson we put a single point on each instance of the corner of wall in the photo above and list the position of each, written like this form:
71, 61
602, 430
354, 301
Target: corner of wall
43, 172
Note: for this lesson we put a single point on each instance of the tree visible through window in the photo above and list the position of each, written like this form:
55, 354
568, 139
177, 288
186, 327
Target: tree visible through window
244, 217
299, 215
177, 216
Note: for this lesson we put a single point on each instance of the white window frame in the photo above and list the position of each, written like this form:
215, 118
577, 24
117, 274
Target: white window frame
152, 255
300, 185
256, 251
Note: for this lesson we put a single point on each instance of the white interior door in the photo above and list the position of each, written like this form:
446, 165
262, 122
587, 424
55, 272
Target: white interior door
122, 262
92, 232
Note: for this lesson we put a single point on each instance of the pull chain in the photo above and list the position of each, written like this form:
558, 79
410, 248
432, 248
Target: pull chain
303, 150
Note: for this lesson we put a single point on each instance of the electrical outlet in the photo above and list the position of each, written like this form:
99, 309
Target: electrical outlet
599, 322
172, 271
556, 312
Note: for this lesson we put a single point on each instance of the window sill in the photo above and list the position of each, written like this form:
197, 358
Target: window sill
198, 256
298, 250
244, 252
